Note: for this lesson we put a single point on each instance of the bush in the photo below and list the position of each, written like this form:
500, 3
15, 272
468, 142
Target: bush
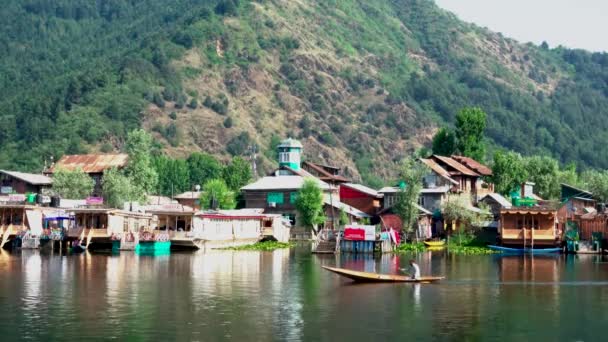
220, 106
228, 122
158, 100
173, 116
239, 144
181, 101
193, 104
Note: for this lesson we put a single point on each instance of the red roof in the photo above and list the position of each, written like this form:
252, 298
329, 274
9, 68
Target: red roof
91, 163
474, 165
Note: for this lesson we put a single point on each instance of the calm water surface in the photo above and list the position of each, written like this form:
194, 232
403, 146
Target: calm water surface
285, 295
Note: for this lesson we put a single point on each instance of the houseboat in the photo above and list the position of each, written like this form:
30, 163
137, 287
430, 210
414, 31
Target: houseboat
97, 228
175, 221
529, 227
230, 228
21, 225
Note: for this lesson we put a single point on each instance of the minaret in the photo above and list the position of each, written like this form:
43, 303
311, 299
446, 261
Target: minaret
290, 152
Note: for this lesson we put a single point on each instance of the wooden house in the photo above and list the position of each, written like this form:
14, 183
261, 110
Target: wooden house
93, 164
13, 182
467, 179
580, 211
328, 174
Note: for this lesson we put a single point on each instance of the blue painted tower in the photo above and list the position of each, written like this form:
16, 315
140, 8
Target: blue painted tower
290, 153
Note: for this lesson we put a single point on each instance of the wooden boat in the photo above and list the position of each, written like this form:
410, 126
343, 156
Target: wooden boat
376, 277
438, 243
525, 250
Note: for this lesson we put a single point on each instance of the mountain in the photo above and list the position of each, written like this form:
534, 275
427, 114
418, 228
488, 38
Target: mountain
361, 83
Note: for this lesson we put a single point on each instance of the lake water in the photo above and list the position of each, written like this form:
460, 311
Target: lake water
285, 295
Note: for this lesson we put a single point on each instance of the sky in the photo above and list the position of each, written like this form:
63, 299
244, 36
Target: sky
572, 23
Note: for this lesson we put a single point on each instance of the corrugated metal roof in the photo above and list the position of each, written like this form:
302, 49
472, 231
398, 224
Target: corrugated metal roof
91, 163
31, 178
456, 165
282, 183
473, 165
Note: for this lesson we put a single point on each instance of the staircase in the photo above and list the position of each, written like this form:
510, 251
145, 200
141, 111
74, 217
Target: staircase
325, 243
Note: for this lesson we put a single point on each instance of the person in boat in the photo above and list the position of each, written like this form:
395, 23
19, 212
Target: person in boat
414, 270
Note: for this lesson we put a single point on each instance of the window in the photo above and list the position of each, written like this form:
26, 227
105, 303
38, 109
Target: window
275, 197
292, 197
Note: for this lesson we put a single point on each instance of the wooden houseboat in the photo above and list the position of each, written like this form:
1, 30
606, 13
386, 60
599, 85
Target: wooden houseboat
21, 223
174, 220
96, 228
529, 227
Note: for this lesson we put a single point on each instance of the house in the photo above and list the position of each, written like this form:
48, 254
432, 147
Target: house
277, 194
174, 219
326, 173
580, 211
430, 199
496, 203
361, 197
190, 199
13, 182
454, 172
424, 229
93, 164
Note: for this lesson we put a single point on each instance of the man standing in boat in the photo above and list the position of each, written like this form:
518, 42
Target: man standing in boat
414, 270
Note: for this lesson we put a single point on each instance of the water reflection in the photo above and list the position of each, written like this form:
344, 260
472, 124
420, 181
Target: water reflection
285, 295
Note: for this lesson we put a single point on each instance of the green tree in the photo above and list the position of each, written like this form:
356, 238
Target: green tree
142, 174
508, 172
72, 184
309, 204
118, 189
444, 142
203, 167
597, 183
544, 172
410, 174
216, 190
237, 173
173, 175
470, 127
458, 208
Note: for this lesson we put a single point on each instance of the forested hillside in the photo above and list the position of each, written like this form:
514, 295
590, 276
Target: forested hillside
362, 83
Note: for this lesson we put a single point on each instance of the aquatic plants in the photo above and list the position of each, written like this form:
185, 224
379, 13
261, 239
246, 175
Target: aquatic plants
467, 245
262, 246
410, 247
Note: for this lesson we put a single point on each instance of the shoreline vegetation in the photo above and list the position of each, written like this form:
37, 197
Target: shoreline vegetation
264, 246
464, 245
